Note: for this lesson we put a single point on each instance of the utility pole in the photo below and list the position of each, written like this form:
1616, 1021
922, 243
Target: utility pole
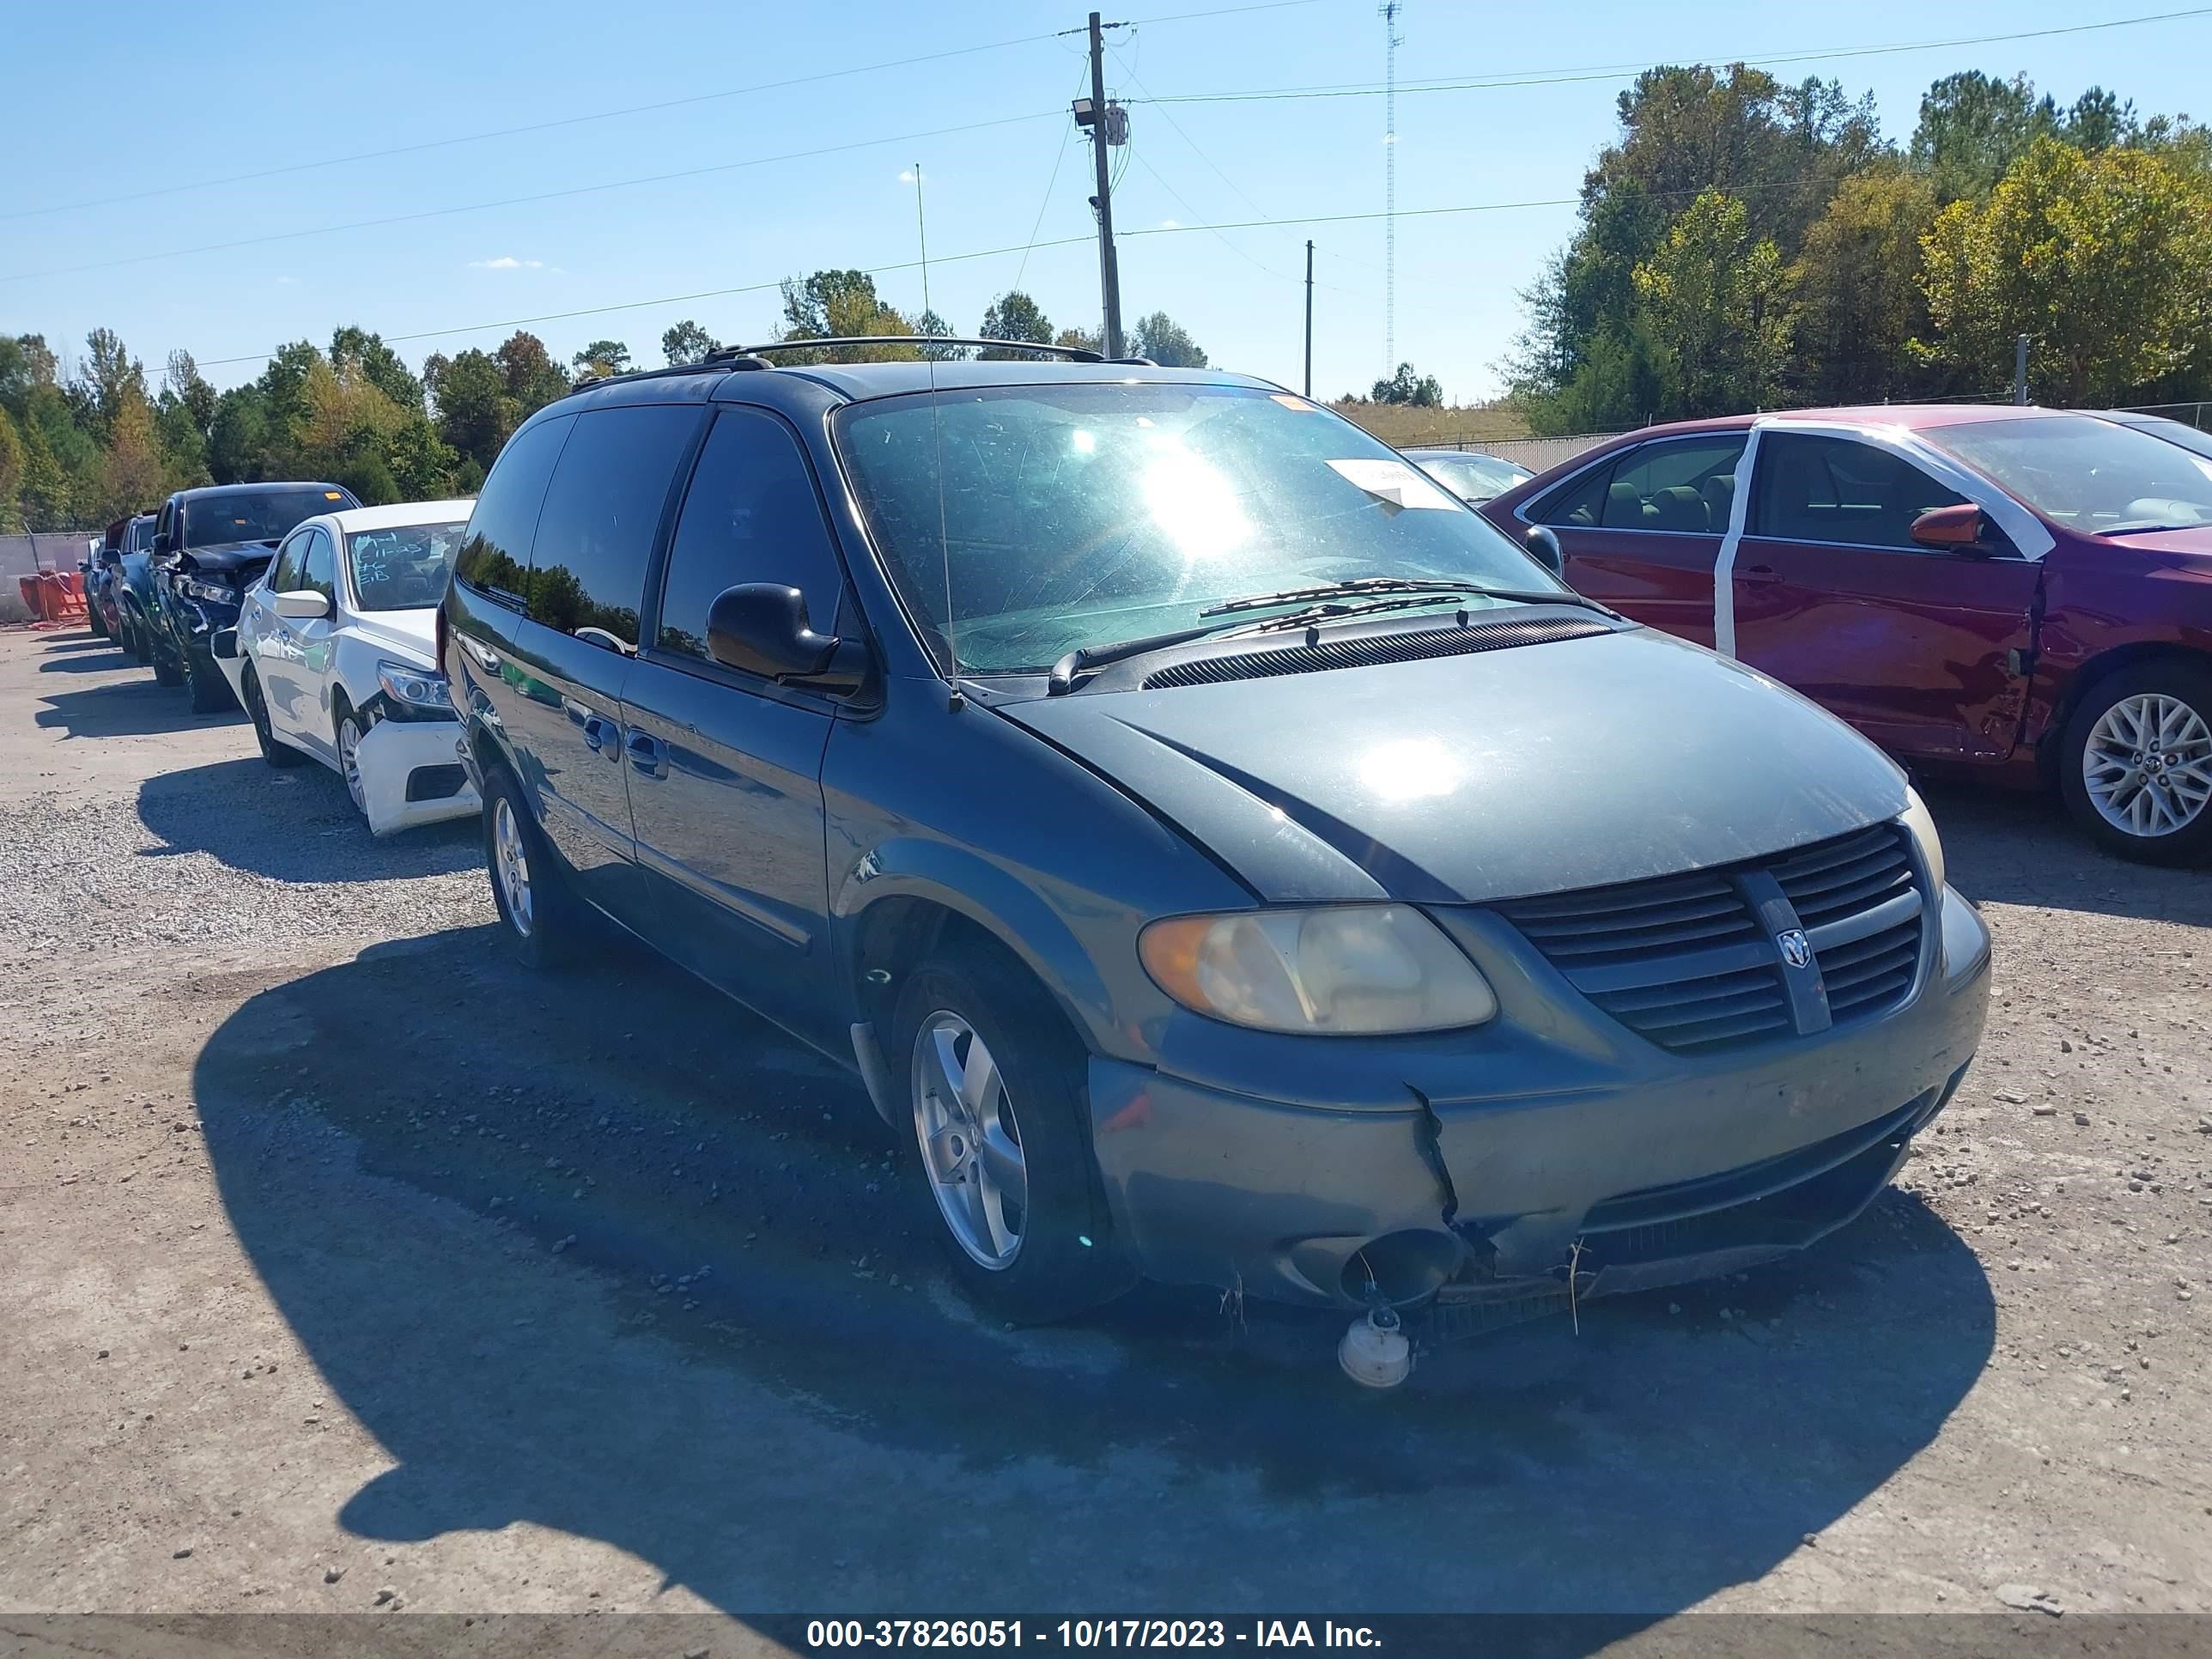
1392, 40
1309, 318
1098, 117
2020, 369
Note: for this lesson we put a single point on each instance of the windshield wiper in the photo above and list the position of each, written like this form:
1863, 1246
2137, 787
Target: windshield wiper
1062, 678
1331, 590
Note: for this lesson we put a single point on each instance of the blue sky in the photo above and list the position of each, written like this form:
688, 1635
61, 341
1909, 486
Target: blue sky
134, 98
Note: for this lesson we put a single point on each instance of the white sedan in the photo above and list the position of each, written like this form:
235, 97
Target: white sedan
335, 657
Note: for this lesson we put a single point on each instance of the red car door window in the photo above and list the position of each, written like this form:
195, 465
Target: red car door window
1918, 648
1642, 534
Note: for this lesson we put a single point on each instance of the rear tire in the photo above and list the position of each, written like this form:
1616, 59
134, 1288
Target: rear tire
165, 671
995, 1084
277, 754
2135, 763
546, 923
94, 620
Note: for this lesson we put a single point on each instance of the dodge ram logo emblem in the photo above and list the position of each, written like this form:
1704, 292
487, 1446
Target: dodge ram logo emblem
1796, 949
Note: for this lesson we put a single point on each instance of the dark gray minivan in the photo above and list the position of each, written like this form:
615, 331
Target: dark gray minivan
1225, 857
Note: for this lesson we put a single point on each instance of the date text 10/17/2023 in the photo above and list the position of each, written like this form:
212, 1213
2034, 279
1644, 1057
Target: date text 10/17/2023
823, 1635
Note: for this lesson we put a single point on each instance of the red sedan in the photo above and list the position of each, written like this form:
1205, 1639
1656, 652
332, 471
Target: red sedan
2025, 592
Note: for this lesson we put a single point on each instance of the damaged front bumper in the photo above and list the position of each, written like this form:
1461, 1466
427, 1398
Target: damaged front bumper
1489, 1161
410, 775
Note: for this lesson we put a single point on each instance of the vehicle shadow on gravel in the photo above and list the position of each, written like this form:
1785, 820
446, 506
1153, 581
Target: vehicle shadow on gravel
125, 708
605, 1255
107, 660
2006, 847
293, 825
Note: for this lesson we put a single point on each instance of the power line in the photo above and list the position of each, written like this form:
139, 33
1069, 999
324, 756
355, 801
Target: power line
516, 200
1050, 185
1614, 71
906, 61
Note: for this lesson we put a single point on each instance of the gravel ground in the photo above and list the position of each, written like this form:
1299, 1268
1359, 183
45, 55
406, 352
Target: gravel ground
345, 1268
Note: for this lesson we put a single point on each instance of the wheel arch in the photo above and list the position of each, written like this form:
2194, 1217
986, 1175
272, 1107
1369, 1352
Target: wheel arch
2094, 672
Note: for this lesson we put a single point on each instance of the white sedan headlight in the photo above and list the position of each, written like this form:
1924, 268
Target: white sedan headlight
1345, 970
418, 688
1917, 819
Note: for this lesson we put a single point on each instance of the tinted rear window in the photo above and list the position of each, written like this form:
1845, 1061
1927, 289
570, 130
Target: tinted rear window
495, 559
587, 565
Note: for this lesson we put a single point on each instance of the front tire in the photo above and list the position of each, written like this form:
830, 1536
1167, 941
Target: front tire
277, 754
210, 692
349, 760
136, 639
544, 922
94, 620
1002, 1131
2135, 763
166, 670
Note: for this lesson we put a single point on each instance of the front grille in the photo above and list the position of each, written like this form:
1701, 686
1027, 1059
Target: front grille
1374, 648
1693, 963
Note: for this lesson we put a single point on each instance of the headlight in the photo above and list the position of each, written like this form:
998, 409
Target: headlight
213, 592
1917, 819
418, 688
1347, 971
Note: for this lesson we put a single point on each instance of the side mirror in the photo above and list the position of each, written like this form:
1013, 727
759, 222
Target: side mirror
112, 557
763, 628
1951, 529
303, 604
1543, 546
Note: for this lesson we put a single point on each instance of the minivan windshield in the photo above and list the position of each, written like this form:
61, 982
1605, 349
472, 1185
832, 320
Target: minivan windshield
402, 567
2087, 474
1083, 513
258, 517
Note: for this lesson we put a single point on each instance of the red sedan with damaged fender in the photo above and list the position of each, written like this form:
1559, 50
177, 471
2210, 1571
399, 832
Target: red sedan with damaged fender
2020, 593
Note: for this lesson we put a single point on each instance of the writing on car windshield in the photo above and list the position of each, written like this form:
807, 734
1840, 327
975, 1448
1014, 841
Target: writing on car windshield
404, 568
1075, 513
259, 518
2088, 474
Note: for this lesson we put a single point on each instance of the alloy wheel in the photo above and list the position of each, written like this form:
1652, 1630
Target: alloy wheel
2147, 765
971, 1144
349, 761
510, 865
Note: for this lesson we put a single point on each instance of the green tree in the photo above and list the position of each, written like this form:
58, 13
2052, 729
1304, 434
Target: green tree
1853, 297
44, 491
111, 376
354, 348
1973, 127
842, 304
931, 323
602, 358
1013, 316
25, 364
2104, 261
237, 437
1166, 341
533, 378
133, 475
1405, 386
424, 466
476, 412
1713, 296
11, 475
1080, 339
687, 343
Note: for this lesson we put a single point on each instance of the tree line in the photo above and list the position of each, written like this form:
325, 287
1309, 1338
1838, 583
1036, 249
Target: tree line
82, 446
1746, 244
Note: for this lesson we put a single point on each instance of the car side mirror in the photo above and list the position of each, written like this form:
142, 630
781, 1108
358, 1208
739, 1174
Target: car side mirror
1543, 544
1952, 529
763, 628
112, 557
303, 604
163, 545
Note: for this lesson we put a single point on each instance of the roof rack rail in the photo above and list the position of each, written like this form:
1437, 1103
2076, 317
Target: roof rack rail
1075, 354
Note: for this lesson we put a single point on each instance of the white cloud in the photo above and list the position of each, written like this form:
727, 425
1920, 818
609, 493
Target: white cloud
1170, 224
507, 262
286, 282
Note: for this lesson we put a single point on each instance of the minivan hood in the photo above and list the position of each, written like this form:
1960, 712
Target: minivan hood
414, 633
1501, 773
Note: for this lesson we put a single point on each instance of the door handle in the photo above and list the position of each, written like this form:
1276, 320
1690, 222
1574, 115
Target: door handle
649, 753
597, 730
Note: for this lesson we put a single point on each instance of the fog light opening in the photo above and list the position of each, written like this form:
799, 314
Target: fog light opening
1403, 1268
